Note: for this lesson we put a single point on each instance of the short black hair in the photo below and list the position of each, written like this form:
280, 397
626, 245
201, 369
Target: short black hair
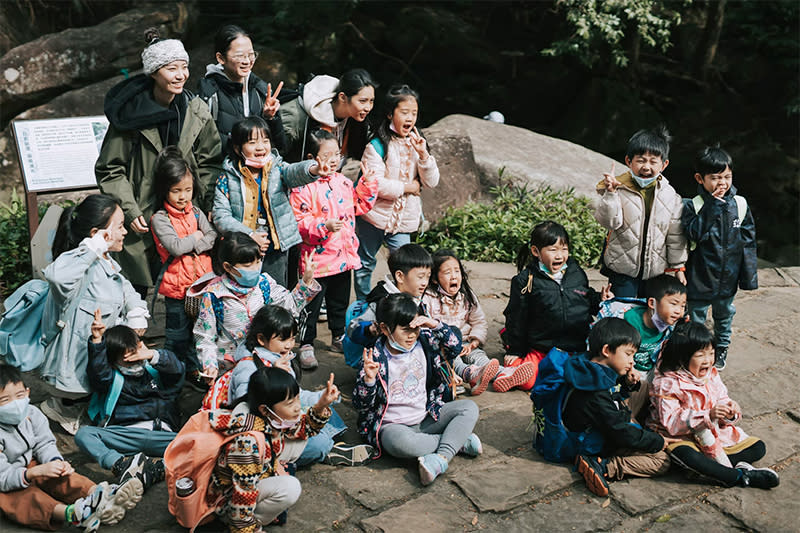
246, 129
654, 141
614, 332
396, 309
234, 248
546, 233
409, 256
270, 320
712, 160
663, 285
120, 340
686, 339
9, 374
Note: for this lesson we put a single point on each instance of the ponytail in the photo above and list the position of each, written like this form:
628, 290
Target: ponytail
78, 221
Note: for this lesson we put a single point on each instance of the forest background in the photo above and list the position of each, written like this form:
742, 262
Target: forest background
591, 72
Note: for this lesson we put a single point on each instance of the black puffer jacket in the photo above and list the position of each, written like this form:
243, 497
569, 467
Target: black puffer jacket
141, 398
225, 103
542, 314
725, 256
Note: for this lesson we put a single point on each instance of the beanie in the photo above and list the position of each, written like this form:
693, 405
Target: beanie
161, 53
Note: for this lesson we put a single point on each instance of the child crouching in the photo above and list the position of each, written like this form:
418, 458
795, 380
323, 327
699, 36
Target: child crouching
399, 394
38, 488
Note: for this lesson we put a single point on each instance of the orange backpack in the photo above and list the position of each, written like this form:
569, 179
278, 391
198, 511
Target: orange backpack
193, 454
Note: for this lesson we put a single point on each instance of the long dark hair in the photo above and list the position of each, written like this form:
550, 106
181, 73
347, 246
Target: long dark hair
545, 233
439, 258
686, 339
169, 169
78, 221
393, 98
350, 83
225, 36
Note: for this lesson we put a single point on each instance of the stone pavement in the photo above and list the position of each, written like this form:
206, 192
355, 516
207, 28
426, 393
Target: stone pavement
510, 488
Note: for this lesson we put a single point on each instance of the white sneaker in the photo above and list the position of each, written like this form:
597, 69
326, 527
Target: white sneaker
68, 417
307, 359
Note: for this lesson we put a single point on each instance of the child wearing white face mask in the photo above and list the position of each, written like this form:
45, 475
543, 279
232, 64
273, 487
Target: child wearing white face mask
642, 213
252, 194
232, 299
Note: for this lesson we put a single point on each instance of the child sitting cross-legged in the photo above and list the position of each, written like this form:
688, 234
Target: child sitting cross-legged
400, 391
134, 403
38, 488
601, 380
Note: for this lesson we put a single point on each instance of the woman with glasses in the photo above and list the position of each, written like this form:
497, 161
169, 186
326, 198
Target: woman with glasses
233, 92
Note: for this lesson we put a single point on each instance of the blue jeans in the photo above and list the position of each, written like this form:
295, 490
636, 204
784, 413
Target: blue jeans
178, 336
625, 286
370, 240
319, 446
109, 444
722, 311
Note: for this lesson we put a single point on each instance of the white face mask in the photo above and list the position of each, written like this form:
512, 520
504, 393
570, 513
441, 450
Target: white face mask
14, 412
131, 371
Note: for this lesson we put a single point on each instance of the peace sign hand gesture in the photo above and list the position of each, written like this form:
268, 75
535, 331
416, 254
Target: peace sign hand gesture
371, 367
419, 144
367, 173
98, 328
330, 395
309, 267
610, 179
271, 102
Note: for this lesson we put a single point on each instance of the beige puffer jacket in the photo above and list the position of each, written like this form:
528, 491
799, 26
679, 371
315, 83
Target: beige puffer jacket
622, 212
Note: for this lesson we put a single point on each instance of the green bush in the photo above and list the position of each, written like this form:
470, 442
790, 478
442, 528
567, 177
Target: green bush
15, 253
495, 231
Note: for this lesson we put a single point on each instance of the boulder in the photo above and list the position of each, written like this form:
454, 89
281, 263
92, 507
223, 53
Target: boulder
36, 71
528, 157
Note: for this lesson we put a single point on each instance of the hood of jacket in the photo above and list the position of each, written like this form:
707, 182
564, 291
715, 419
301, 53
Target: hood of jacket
317, 97
380, 290
130, 105
584, 374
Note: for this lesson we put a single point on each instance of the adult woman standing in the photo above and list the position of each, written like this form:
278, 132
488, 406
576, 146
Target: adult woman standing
146, 113
83, 278
233, 92
340, 106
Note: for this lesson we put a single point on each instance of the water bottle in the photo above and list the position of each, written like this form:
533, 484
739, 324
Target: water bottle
184, 487
261, 225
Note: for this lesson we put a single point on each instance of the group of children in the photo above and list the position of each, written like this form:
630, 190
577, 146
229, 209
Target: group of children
646, 393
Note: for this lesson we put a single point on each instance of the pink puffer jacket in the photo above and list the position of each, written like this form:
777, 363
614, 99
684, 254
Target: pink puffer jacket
334, 197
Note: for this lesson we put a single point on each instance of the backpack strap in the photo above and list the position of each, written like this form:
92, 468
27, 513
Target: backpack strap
104, 405
379, 146
741, 211
219, 311
263, 284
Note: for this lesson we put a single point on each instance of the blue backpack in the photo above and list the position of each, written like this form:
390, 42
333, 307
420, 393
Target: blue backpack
353, 352
551, 437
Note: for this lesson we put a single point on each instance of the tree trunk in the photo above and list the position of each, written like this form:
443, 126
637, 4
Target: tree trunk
707, 48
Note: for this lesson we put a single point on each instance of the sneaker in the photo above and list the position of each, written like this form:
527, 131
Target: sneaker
148, 470
762, 478
720, 357
431, 466
336, 344
68, 417
196, 382
472, 447
594, 473
107, 504
343, 455
323, 313
307, 359
512, 377
481, 376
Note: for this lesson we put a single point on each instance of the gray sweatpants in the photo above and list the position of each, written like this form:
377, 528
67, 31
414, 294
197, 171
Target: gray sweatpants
476, 357
445, 436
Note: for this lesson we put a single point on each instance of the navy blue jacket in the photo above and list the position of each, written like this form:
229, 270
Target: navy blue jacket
725, 256
596, 404
141, 398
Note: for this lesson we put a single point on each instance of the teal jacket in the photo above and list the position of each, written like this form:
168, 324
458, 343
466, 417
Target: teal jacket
229, 198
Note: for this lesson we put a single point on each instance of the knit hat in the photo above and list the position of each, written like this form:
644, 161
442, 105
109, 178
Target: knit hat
160, 53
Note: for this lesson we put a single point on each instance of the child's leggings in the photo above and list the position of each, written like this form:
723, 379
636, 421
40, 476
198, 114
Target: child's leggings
687, 457
34, 505
533, 357
445, 436
476, 357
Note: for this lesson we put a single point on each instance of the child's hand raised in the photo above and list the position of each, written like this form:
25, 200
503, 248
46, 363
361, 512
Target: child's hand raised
324, 167
367, 173
143, 353
271, 102
330, 395
309, 267
371, 367
284, 362
610, 180
419, 144
422, 321
605, 293
98, 328
262, 240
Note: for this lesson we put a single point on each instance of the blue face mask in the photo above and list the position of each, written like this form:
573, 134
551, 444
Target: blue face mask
644, 182
398, 347
14, 412
248, 278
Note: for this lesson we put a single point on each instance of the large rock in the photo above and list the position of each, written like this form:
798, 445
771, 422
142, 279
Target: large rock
38, 70
528, 157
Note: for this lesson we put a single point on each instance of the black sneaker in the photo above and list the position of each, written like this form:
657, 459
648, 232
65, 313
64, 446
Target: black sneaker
720, 356
594, 473
123, 463
761, 478
148, 470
